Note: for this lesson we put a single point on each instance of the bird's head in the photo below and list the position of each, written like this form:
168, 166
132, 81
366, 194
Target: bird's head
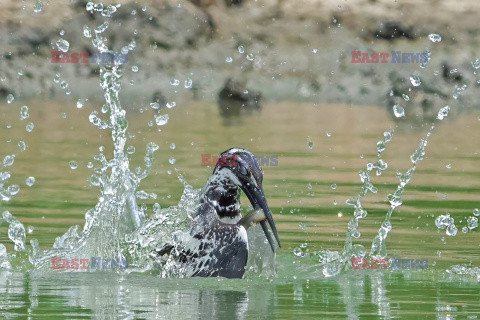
238, 168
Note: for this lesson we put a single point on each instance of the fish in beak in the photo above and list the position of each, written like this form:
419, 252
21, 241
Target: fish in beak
257, 198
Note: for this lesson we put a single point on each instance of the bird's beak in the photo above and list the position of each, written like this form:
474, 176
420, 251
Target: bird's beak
257, 199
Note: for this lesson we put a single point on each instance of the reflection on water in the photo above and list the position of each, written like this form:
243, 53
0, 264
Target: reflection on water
353, 295
301, 196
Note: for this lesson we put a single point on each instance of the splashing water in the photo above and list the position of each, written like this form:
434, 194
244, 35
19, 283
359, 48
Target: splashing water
378, 249
334, 262
116, 227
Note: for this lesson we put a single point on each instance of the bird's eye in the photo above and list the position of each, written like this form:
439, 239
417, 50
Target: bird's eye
243, 170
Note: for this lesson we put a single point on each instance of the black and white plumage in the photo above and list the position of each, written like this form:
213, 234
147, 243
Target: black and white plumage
217, 244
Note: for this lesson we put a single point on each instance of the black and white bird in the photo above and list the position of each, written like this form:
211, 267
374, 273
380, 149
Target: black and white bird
217, 244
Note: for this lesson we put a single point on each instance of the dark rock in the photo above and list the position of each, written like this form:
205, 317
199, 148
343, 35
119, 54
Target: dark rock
231, 3
159, 98
235, 99
203, 3
4, 92
394, 30
449, 74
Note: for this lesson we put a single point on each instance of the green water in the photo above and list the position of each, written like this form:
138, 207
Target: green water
300, 194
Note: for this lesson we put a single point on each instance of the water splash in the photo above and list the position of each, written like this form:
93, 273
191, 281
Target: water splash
378, 249
334, 262
116, 227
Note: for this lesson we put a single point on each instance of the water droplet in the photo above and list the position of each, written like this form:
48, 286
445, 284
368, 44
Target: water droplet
188, 83
109, 11
329, 134
171, 105
171, 160
250, 57
22, 145
24, 113
10, 98
309, 186
73, 164
13, 189
434, 37
8, 160
380, 148
398, 111
30, 181
131, 150
395, 200
89, 165
449, 166
87, 32
443, 113
229, 59
161, 119
154, 105
174, 82
172, 146
452, 230
30, 229
80, 103
38, 7
309, 143
89, 6
64, 84
56, 79
464, 229
405, 97
333, 186
63, 45
29, 127
98, 6
241, 49
132, 45
415, 81
142, 195
476, 212
472, 222
443, 221
134, 68
476, 64
95, 180
298, 252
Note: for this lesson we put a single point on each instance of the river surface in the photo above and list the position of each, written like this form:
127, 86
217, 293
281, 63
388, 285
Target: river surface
320, 150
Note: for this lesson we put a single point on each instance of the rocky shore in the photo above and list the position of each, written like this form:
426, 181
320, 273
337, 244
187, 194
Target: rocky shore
286, 49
